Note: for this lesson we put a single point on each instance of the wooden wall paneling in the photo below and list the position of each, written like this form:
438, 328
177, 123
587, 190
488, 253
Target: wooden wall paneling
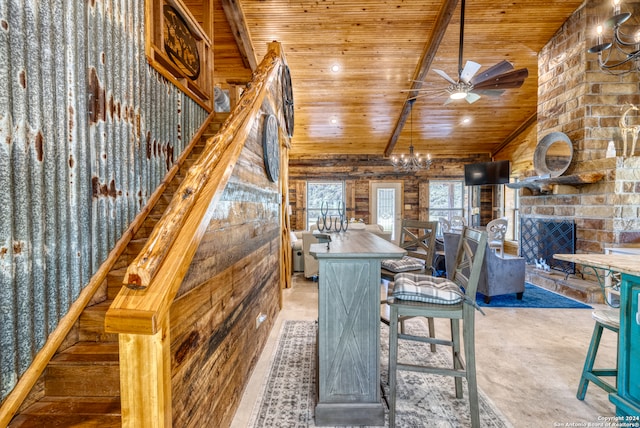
350, 198
291, 201
520, 152
211, 347
361, 170
202, 11
486, 204
229, 66
423, 201
411, 190
362, 210
301, 205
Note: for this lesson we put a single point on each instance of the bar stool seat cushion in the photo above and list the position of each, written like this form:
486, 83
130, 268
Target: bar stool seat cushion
404, 264
427, 289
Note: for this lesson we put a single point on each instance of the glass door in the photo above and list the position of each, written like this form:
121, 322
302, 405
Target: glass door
386, 206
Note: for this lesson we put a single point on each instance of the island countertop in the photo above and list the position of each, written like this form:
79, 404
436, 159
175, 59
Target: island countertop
357, 244
623, 263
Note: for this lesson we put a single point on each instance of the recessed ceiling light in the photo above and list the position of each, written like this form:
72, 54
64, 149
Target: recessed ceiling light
466, 121
335, 68
334, 120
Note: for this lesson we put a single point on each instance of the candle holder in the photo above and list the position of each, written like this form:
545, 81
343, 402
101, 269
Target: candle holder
329, 224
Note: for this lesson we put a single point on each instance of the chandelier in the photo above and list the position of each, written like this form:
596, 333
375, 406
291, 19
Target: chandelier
412, 161
622, 49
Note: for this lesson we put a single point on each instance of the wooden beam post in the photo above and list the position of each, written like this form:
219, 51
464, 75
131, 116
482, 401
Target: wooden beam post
145, 379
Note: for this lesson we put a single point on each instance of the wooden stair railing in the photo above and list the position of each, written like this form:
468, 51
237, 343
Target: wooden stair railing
141, 316
28, 380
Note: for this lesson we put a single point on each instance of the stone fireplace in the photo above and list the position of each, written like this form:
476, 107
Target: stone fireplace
576, 98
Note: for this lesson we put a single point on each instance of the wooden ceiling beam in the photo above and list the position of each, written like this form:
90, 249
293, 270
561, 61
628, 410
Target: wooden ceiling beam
235, 15
429, 53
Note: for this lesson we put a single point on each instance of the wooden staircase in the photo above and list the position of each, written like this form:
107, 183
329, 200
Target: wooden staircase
81, 385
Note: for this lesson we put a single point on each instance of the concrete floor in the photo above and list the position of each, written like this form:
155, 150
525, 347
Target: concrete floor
528, 361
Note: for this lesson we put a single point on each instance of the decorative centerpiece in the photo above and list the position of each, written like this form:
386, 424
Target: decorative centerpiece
329, 224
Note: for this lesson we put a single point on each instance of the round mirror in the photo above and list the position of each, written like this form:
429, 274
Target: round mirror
553, 154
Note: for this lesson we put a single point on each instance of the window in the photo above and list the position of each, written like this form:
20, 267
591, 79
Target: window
327, 195
446, 199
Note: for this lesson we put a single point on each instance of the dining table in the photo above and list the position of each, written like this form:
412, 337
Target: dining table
627, 396
349, 391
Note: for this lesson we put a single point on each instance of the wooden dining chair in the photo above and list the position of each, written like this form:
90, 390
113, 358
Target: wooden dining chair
418, 238
431, 297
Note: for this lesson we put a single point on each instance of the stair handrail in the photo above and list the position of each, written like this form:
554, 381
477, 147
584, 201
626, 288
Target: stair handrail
140, 316
155, 275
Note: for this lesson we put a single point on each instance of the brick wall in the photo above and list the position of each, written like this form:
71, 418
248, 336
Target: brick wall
577, 98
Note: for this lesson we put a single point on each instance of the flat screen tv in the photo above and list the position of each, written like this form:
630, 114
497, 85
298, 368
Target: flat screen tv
483, 173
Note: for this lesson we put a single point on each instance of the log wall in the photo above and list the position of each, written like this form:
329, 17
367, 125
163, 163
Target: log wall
358, 172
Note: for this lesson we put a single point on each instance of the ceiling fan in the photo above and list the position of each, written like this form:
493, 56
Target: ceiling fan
469, 85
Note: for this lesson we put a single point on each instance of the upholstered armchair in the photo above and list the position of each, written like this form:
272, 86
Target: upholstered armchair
500, 274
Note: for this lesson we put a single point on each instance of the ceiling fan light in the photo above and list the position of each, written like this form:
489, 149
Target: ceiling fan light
458, 95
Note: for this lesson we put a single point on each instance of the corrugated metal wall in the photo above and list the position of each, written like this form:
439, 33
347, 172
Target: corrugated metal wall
87, 132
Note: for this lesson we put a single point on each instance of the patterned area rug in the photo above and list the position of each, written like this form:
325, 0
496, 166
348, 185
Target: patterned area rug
424, 400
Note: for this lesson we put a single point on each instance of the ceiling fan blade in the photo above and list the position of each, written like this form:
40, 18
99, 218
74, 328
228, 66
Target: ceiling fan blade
445, 76
489, 92
470, 69
512, 79
422, 90
433, 95
472, 97
493, 71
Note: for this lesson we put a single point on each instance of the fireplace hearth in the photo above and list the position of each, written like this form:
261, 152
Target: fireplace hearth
542, 237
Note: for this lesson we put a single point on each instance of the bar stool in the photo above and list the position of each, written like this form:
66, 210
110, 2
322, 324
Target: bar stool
609, 319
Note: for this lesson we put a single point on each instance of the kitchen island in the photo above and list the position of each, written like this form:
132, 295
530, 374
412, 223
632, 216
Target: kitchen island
349, 328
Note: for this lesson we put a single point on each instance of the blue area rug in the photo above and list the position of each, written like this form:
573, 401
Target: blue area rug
533, 297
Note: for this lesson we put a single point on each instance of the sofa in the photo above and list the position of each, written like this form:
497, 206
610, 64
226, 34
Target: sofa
501, 274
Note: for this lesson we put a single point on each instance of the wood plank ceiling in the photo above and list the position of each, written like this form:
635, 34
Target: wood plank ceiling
379, 47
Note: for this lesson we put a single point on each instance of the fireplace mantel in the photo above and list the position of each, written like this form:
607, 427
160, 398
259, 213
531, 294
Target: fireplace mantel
550, 184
